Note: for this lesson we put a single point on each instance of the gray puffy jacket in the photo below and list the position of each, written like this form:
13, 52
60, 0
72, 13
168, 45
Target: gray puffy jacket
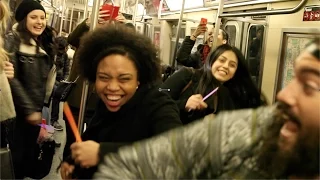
213, 148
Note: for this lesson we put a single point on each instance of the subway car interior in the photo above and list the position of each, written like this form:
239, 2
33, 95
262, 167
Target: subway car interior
167, 23
269, 33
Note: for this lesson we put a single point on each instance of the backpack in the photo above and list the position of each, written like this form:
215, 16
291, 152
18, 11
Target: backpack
40, 162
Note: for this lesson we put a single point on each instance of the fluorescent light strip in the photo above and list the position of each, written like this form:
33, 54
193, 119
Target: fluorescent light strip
175, 5
226, 5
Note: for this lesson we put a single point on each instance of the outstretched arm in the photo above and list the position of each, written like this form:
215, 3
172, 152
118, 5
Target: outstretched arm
161, 157
198, 150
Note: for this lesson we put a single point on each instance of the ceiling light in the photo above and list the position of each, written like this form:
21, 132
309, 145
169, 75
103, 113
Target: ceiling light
175, 5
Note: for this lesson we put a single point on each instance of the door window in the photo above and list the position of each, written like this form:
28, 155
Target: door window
254, 51
232, 32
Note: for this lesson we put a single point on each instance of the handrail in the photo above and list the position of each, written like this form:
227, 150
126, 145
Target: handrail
85, 84
198, 21
217, 25
266, 12
134, 18
71, 17
85, 11
177, 35
63, 12
159, 10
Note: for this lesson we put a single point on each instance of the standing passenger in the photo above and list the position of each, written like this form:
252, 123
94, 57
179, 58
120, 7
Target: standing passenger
7, 111
198, 58
62, 64
30, 49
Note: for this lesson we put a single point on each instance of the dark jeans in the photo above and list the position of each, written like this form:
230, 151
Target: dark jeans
54, 107
7, 129
23, 146
70, 137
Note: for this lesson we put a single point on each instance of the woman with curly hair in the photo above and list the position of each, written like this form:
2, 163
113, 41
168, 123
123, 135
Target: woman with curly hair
126, 71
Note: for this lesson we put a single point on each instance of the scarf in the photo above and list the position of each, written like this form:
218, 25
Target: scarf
205, 51
7, 110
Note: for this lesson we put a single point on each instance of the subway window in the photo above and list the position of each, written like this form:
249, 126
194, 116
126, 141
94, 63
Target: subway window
254, 51
182, 32
232, 32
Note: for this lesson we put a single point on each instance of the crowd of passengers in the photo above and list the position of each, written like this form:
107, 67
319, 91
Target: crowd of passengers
127, 100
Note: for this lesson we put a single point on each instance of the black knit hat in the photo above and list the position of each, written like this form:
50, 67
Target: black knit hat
25, 7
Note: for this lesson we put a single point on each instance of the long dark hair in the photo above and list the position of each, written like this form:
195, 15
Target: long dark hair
225, 35
45, 40
242, 89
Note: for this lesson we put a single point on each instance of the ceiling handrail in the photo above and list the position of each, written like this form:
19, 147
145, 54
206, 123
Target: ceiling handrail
267, 12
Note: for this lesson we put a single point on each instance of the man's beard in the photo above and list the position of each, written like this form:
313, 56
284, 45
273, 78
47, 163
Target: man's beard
301, 161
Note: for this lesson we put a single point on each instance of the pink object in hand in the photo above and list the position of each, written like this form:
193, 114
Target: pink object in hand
43, 123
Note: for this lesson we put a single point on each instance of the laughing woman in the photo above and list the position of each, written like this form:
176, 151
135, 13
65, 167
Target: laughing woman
126, 71
29, 48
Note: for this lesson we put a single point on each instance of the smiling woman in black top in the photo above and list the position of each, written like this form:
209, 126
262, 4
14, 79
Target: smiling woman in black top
225, 68
126, 71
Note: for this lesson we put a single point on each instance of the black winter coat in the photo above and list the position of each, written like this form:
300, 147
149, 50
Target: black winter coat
62, 64
31, 69
188, 59
148, 113
74, 98
179, 80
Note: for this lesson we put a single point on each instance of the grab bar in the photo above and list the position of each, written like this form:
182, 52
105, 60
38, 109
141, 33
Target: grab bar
266, 12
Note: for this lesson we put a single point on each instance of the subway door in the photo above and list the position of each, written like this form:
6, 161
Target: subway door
254, 48
249, 38
173, 36
233, 28
148, 30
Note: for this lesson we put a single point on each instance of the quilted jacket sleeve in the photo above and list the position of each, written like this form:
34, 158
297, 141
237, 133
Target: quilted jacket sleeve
198, 150
161, 157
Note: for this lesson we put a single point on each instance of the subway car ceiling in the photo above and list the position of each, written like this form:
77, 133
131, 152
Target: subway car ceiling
268, 68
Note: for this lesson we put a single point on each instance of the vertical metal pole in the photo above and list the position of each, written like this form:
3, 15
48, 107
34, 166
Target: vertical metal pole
95, 14
85, 12
178, 33
71, 17
159, 10
122, 6
53, 15
85, 86
217, 26
135, 13
79, 17
62, 16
